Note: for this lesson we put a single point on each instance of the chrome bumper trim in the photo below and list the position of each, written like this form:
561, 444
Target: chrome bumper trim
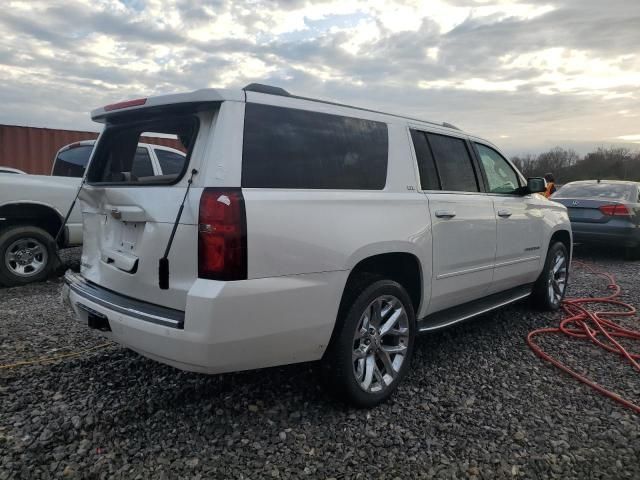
148, 312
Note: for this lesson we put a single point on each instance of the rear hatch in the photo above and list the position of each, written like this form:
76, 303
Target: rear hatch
129, 213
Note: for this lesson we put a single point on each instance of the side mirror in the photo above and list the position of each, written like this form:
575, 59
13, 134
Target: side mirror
536, 185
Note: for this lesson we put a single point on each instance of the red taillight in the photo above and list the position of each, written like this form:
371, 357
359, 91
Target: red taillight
129, 103
222, 235
615, 210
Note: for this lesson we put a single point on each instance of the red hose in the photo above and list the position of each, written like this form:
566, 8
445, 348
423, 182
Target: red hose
579, 322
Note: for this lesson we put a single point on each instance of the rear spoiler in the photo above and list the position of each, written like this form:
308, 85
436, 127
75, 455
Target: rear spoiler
204, 96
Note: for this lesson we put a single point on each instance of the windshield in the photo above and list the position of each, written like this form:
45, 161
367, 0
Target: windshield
72, 162
612, 191
120, 160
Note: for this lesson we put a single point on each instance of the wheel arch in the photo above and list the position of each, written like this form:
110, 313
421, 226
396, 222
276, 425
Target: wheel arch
33, 213
400, 265
564, 236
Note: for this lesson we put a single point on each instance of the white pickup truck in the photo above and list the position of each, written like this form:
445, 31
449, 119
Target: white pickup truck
32, 208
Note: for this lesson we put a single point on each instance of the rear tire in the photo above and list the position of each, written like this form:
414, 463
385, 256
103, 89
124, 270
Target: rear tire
372, 346
551, 286
27, 254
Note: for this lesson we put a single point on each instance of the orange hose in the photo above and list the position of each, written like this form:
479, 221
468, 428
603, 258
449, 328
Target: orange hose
579, 322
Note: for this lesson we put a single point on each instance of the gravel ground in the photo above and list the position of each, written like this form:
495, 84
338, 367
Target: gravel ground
477, 404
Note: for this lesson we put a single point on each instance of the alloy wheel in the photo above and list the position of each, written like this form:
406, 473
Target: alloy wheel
380, 344
557, 282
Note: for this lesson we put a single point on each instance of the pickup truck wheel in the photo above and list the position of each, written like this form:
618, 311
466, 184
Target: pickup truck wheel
371, 352
551, 286
27, 255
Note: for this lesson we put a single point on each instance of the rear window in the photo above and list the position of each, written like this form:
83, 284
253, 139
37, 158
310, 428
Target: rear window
119, 160
72, 162
289, 148
611, 191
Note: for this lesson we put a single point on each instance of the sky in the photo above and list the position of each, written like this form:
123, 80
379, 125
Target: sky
528, 75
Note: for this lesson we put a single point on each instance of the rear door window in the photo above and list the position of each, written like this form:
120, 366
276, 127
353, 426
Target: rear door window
171, 163
72, 162
426, 165
453, 163
142, 166
290, 148
501, 177
120, 161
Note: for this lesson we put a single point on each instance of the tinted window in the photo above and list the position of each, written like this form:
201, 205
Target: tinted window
119, 160
170, 162
72, 162
426, 165
500, 175
287, 148
613, 191
142, 163
454, 163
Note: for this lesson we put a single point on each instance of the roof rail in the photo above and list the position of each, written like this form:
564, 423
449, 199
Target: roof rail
268, 89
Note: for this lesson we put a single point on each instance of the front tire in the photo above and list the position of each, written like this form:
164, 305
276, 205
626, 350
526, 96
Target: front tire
551, 286
373, 344
27, 254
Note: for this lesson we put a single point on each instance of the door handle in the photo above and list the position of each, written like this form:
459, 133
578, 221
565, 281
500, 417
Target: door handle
504, 213
445, 213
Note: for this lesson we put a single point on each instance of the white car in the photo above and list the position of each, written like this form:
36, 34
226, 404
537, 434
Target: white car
311, 231
32, 208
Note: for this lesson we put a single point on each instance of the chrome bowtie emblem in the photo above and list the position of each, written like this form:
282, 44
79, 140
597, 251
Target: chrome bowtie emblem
575, 202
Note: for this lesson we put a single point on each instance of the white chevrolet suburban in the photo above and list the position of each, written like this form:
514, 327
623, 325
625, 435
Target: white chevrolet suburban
310, 231
32, 208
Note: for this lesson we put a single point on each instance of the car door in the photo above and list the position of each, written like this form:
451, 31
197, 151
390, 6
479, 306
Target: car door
519, 221
462, 218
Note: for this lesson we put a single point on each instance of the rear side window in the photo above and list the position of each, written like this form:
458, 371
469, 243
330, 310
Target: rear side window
453, 162
289, 148
120, 161
72, 162
171, 163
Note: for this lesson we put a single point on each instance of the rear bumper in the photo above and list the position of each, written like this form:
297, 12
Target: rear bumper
601, 234
227, 326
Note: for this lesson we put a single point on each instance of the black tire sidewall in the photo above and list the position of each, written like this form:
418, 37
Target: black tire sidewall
10, 235
540, 297
340, 377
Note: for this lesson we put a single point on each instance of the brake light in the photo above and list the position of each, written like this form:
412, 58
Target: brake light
129, 103
615, 210
222, 235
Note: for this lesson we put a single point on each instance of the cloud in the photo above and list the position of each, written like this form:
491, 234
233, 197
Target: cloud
526, 73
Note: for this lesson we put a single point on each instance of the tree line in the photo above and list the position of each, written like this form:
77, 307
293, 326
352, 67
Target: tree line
612, 163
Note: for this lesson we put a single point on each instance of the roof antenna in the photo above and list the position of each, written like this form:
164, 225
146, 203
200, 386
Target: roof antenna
163, 263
